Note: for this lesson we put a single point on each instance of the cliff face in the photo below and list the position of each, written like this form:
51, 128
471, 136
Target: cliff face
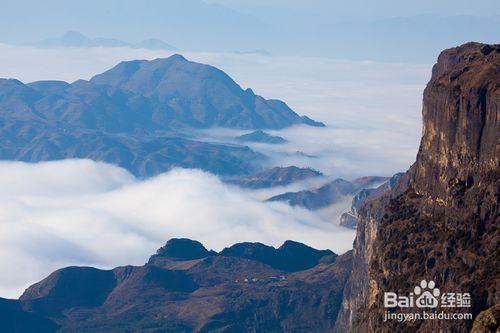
440, 222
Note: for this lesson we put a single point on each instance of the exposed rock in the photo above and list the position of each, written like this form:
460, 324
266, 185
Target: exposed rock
488, 321
440, 222
350, 218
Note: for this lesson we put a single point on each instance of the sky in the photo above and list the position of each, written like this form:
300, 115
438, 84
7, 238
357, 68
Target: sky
388, 30
363, 8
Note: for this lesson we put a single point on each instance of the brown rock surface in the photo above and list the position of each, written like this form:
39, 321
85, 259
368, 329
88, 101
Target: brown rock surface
441, 221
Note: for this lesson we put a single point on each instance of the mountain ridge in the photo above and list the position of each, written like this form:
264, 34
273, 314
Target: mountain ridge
77, 39
327, 194
133, 116
181, 292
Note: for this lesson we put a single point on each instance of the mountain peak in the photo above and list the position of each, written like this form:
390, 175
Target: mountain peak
197, 95
291, 256
177, 57
183, 249
154, 44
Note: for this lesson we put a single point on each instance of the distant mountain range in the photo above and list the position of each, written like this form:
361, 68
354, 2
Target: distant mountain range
277, 176
185, 288
387, 33
76, 39
133, 116
328, 194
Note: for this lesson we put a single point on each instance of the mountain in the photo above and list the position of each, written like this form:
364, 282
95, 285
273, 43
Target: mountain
290, 257
179, 249
350, 219
327, 194
440, 222
185, 93
76, 39
261, 137
277, 176
209, 293
13, 318
132, 116
153, 44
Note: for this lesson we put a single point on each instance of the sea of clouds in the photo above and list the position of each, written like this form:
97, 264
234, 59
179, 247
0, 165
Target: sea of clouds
81, 212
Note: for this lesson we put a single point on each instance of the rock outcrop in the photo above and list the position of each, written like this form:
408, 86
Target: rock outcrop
441, 221
350, 219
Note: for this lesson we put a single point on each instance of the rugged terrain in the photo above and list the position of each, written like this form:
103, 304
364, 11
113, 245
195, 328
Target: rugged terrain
438, 222
441, 220
139, 115
350, 219
328, 194
184, 288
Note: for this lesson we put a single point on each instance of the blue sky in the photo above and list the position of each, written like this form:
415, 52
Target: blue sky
367, 9
387, 30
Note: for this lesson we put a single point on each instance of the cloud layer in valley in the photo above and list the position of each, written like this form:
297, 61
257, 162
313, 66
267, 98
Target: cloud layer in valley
80, 212
86, 213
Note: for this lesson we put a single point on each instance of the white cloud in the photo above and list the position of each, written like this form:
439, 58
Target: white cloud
79, 212
347, 153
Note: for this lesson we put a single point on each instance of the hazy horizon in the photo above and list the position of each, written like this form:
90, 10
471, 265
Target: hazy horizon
386, 30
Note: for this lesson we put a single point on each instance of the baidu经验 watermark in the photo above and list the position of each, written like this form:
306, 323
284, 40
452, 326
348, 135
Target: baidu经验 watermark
430, 304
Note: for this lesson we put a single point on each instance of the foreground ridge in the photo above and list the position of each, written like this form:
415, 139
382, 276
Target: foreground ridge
184, 287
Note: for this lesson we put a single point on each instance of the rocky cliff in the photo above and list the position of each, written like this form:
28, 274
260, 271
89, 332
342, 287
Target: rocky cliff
441, 221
